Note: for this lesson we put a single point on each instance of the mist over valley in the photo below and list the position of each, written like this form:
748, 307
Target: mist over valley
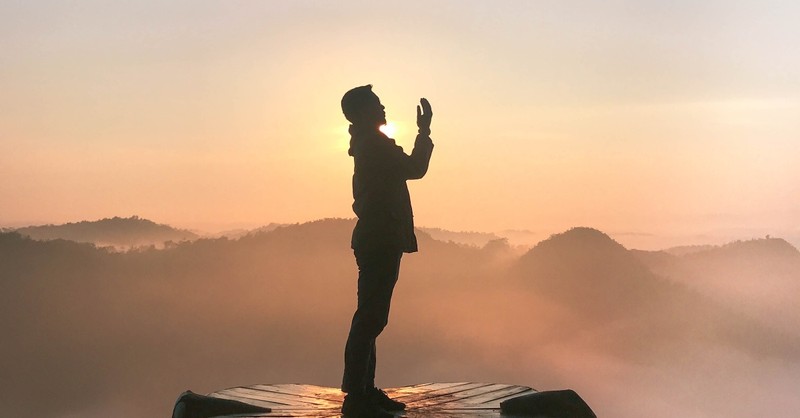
104, 332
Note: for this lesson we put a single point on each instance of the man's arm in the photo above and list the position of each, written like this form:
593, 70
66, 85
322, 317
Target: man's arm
416, 164
387, 159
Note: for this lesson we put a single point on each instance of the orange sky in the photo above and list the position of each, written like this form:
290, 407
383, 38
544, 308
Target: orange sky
626, 115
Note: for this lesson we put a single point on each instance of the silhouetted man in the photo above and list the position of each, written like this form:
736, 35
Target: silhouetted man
384, 231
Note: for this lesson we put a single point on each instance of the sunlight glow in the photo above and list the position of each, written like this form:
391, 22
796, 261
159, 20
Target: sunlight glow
390, 129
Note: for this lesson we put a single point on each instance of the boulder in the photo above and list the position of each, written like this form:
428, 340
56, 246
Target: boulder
192, 405
550, 404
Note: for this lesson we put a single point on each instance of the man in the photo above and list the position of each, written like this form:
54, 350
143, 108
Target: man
384, 231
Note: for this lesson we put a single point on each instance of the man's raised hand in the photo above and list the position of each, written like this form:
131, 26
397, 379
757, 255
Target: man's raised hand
424, 115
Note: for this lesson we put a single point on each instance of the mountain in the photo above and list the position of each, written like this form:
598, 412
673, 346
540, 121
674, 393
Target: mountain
100, 331
478, 239
606, 285
688, 249
590, 271
517, 238
522, 237
759, 276
240, 232
116, 232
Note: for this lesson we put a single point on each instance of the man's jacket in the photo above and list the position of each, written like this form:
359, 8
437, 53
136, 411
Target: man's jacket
380, 195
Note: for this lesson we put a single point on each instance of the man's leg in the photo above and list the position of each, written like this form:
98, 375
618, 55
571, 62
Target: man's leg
369, 382
377, 275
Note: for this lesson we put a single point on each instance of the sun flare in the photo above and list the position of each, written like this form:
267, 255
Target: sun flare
389, 129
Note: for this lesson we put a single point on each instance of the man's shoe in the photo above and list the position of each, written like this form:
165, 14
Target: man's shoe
361, 406
380, 398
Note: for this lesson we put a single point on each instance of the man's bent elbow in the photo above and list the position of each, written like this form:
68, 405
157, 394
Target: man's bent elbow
417, 174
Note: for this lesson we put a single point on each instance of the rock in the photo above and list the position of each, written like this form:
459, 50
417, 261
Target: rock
550, 404
192, 405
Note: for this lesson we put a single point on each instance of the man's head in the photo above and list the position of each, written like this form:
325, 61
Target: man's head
362, 107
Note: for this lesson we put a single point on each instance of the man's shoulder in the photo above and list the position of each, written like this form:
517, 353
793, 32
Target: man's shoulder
377, 145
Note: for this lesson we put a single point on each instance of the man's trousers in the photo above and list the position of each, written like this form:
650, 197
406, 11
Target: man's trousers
378, 270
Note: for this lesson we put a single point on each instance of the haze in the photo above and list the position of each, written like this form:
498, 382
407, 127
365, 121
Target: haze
659, 124
711, 333
625, 116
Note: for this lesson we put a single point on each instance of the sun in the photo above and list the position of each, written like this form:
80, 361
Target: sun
389, 129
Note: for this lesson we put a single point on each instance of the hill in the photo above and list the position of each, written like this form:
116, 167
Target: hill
240, 232
688, 249
589, 270
116, 232
517, 238
760, 276
100, 330
604, 284
478, 239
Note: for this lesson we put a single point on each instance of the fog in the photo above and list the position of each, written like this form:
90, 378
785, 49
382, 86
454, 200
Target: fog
91, 332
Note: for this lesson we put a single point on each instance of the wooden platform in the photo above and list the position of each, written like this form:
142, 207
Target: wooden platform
430, 400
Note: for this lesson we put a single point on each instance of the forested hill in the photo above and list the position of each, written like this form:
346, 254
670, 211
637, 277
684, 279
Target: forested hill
116, 231
100, 330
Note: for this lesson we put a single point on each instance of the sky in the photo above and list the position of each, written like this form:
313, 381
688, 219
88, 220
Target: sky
638, 116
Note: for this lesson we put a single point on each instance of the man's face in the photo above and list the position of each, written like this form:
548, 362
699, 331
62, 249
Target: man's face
373, 113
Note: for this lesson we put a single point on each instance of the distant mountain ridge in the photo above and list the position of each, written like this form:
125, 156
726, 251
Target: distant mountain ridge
117, 232
591, 271
523, 238
759, 276
222, 306
478, 239
240, 232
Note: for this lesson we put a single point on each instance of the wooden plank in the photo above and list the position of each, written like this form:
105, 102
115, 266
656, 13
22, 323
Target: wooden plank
523, 391
305, 390
427, 388
290, 400
469, 396
428, 400
483, 397
444, 395
439, 391
492, 397
309, 392
256, 402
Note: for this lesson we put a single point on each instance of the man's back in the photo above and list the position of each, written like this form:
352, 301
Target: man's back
380, 194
